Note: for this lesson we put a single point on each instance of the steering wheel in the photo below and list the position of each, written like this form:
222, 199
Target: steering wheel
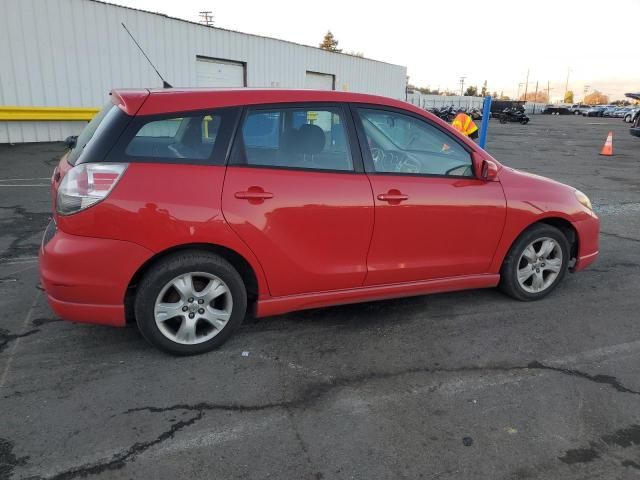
377, 154
407, 164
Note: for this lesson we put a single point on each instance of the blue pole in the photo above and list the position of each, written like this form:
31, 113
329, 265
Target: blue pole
486, 111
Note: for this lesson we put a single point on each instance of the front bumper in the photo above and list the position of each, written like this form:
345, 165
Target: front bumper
588, 242
86, 278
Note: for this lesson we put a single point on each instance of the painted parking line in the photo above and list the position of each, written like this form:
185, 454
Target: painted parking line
25, 185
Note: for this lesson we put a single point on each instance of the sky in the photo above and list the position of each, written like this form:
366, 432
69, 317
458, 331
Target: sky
441, 41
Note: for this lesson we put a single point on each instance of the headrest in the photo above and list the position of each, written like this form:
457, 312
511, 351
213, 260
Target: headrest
311, 139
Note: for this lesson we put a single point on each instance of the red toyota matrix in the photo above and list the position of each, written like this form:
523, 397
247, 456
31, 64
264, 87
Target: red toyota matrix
186, 210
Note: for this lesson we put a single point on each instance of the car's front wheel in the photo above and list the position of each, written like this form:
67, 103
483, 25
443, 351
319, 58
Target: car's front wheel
190, 303
536, 263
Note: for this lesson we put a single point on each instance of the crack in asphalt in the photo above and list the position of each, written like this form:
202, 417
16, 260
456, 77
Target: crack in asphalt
21, 226
604, 379
119, 460
8, 460
621, 237
313, 393
6, 337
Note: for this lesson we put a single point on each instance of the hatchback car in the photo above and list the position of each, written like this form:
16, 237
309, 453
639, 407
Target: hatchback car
186, 210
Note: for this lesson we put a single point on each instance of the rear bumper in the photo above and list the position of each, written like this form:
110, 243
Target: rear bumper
588, 242
635, 131
86, 278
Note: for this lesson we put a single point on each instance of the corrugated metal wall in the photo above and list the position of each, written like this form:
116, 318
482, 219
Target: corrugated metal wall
72, 52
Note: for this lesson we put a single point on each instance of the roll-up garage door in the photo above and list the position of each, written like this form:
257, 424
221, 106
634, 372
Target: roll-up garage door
212, 72
319, 81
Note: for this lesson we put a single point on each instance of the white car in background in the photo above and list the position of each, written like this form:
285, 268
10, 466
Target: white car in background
631, 114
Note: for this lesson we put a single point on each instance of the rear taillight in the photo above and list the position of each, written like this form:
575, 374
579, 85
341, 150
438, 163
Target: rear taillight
87, 184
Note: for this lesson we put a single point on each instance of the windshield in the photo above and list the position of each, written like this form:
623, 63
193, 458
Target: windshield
90, 130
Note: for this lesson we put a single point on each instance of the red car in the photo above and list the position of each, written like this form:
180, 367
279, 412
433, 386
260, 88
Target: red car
186, 210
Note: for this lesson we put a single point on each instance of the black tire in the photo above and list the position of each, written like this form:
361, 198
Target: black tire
503, 119
509, 272
524, 121
171, 267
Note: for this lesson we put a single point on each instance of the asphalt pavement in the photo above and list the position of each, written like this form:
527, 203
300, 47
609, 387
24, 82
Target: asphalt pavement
469, 385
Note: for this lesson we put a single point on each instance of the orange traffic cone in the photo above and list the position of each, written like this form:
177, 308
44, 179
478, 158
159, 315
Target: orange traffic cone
607, 148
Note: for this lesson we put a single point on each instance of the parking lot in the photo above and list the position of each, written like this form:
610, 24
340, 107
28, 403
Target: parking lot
453, 386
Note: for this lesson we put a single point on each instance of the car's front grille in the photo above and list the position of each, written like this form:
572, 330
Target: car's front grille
49, 232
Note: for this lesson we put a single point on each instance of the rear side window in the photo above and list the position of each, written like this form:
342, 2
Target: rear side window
291, 137
189, 137
99, 134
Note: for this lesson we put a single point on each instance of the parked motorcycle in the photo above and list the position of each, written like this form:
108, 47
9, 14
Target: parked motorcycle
514, 115
475, 113
445, 113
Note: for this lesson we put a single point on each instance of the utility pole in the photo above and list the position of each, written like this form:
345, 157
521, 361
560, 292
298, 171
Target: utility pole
526, 86
566, 85
462, 85
535, 98
206, 18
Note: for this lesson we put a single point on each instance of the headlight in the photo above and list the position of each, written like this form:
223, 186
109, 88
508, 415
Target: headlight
584, 200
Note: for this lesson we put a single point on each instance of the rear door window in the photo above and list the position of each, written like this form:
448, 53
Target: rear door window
290, 137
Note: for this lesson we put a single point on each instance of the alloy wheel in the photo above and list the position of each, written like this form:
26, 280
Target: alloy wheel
193, 308
539, 265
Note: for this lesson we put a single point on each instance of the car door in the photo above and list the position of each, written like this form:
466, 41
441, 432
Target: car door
295, 191
433, 217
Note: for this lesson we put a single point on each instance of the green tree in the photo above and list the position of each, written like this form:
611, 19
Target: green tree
330, 43
471, 91
484, 92
568, 96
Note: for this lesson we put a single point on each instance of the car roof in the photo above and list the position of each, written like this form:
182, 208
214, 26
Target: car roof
170, 100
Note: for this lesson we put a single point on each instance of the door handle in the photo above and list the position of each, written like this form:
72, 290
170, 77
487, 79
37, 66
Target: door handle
255, 194
393, 196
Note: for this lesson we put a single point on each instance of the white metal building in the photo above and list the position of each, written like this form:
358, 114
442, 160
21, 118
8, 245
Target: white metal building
67, 54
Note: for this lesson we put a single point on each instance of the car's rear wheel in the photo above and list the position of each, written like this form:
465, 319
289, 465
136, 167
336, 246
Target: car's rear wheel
536, 263
190, 303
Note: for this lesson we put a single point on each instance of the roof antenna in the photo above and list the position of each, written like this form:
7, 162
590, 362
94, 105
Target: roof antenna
165, 84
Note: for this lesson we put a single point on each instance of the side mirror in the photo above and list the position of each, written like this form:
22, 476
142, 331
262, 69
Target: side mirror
489, 170
70, 141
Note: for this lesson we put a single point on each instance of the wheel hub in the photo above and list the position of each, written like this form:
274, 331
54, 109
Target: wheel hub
193, 308
539, 265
